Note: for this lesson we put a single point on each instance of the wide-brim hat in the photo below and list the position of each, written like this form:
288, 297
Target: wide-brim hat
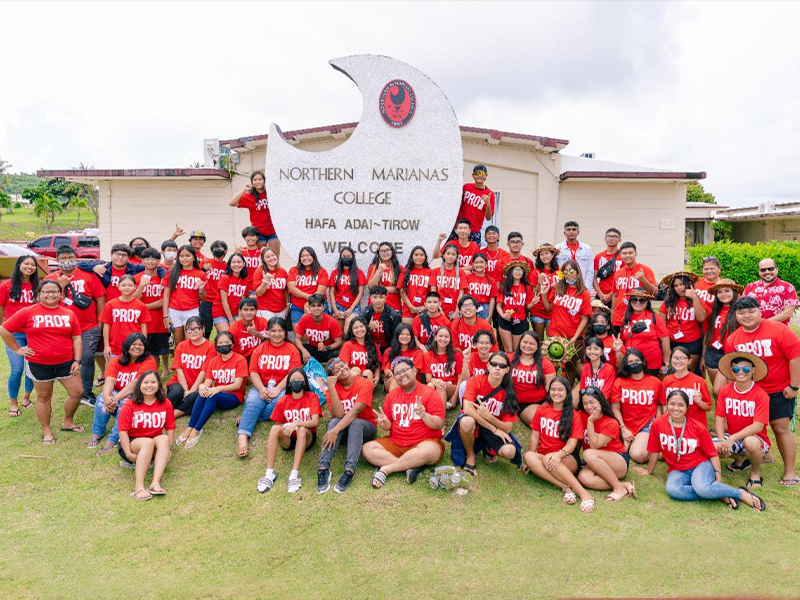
667, 281
516, 263
597, 305
760, 369
549, 247
725, 283
640, 292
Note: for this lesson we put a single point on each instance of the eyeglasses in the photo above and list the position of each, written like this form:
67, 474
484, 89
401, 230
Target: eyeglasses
120, 254
742, 369
638, 300
591, 391
193, 329
680, 357
498, 365
706, 258
766, 269
403, 372
612, 236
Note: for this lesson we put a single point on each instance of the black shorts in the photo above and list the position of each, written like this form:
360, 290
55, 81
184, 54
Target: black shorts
44, 373
514, 328
293, 442
712, 357
695, 347
158, 343
780, 407
524, 406
323, 356
487, 442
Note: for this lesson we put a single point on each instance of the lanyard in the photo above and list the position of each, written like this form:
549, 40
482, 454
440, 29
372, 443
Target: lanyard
678, 440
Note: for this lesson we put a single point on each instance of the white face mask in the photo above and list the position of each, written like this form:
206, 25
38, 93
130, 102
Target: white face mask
170, 255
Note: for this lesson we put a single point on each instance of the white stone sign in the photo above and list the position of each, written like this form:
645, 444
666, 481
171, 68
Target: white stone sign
397, 178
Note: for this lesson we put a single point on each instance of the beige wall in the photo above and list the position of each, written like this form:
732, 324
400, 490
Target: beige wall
765, 230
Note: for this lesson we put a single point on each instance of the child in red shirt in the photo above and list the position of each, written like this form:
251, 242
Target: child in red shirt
234, 285
186, 289
317, 334
123, 316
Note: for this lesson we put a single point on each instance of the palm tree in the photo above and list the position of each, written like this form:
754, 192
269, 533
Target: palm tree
78, 202
47, 207
5, 202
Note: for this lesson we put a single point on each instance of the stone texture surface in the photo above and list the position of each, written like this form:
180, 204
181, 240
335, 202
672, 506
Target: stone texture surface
304, 210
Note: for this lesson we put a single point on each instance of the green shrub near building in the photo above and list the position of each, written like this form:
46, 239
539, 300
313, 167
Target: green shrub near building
740, 261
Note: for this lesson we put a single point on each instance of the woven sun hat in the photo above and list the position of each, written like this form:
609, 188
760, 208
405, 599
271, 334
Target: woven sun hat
760, 369
725, 283
516, 263
667, 281
546, 246
597, 305
640, 292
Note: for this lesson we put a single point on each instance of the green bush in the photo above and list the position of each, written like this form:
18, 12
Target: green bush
740, 261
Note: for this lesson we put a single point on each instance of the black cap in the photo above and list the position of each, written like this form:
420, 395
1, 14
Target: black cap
480, 168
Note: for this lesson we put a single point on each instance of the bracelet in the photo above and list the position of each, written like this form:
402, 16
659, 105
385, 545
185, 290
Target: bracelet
717, 471
794, 387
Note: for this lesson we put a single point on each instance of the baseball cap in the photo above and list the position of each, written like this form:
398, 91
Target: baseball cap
197, 234
480, 168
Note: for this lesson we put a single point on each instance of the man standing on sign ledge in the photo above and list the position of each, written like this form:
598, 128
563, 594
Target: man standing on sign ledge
477, 204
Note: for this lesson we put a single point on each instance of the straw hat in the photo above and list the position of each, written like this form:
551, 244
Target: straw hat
640, 292
549, 247
760, 369
667, 281
598, 306
516, 263
725, 283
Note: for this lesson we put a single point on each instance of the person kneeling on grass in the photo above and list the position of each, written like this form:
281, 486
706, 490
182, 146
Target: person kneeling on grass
693, 467
147, 427
352, 419
296, 417
555, 432
413, 414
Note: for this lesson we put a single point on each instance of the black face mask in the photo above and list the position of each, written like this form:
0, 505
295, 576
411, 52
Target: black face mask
218, 252
295, 386
636, 368
137, 250
599, 328
347, 262
224, 348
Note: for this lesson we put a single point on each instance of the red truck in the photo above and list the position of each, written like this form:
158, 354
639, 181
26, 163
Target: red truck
85, 246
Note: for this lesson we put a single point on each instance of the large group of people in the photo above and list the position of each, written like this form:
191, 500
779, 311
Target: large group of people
178, 333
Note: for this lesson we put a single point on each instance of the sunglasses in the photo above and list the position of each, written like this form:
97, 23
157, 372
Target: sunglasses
638, 300
766, 269
569, 271
498, 365
591, 391
742, 369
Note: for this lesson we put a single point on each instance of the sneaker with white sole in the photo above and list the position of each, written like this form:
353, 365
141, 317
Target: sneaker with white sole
323, 480
265, 483
344, 482
88, 400
294, 485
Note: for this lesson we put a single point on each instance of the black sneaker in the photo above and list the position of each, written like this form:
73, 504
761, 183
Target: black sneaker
344, 482
88, 400
323, 480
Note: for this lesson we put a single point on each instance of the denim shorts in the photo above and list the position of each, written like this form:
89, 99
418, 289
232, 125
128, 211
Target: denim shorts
646, 428
535, 319
218, 320
267, 238
342, 308
712, 357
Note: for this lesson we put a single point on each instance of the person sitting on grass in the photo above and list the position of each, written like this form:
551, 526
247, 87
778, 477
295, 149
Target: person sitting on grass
296, 417
603, 451
693, 468
556, 431
742, 415
317, 334
413, 414
147, 427
352, 419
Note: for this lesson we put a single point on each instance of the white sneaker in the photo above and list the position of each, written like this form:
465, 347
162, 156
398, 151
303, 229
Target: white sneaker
294, 485
265, 483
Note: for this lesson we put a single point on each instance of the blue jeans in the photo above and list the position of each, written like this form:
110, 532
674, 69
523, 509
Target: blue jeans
256, 409
205, 407
17, 369
483, 310
699, 484
101, 419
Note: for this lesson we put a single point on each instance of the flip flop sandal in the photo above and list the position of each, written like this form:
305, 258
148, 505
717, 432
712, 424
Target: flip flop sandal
99, 382
612, 498
763, 505
587, 506
755, 483
379, 477
243, 452
48, 441
790, 482
107, 448
14, 413
470, 469
74, 429
734, 468
412, 474
180, 441
27, 404
136, 496
632, 491
160, 492
733, 503
93, 443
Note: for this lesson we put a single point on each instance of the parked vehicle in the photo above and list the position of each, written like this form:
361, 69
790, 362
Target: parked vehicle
86, 246
8, 258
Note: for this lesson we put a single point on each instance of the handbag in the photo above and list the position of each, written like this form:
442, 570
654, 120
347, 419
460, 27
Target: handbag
80, 300
607, 269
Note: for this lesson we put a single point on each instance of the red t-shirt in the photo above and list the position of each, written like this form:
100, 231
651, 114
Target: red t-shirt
244, 342
213, 275
408, 429
649, 340
538, 309
252, 260
146, 420
360, 390
696, 446
124, 374
605, 425
236, 288
701, 289
112, 291
153, 291
567, 311
775, 343
191, 359
49, 332
415, 354
274, 298
465, 253
354, 354
682, 324
83, 283
463, 332
546, 420
688, 384
772, 297
307, 283
378, 334
435, 365
602, 379
473, 205
123, 318
608, 350
260, 217
186, 295
601, 258
225, 372
449, 284
341, 289
523, 377
742, 409
478, 388
417, 284
421, 333
716, 333
624, 281
290, 409
387, 280
521, 295
475, 365
274, 362
326, 331
26, 297
639, 399
495, 261
483, 289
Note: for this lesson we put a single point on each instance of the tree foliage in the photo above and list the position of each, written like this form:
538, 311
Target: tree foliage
696, 193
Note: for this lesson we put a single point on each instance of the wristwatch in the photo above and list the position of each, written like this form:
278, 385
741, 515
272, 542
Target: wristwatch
794, 387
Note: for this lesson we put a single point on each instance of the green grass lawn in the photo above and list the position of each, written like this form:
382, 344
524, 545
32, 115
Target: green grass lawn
68, 529
21, 221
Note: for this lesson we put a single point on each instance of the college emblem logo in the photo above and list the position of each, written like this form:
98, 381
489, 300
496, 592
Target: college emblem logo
397, 103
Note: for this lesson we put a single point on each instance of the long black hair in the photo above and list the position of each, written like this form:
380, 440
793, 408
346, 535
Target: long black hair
449, 350
539, 263
138, 397
561, 286
125, 358
16, 278
177, 268
253, 191
565, 421
510, 403
315, 266
352, 270
671, 300
594, 341
373, 361
229, 270
376, 261
594, 321
624, 371
394, 346
537, 357
411, 265
730, 323
508, 284
605, 405
648, 307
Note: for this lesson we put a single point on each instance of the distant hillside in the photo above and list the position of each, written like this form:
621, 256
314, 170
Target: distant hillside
19, 182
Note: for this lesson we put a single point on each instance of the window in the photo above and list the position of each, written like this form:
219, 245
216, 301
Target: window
62, 241
89, 242
41, 243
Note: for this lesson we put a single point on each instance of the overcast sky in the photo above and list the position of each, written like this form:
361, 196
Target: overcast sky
701, 86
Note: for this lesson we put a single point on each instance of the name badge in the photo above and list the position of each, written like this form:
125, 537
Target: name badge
678, 335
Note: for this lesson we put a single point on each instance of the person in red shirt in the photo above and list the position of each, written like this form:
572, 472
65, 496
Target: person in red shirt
147, 428
684, 314
482, 287
413, 414
531, 374
17, 293
568, 302
449, 281
403, 345
515, 300
721, 322
222, 388
386, 271
250, 330
603, 451
496, 257
305, 279
346, 289
613, 348
317, 334
692, 385
350, 402
693, 468
214, 268
477, 204
234, 285
467, 249
629, 277
597, 371
183, 294
150, 290
643, 329
605, 287
253, 198
779, 347
187, 364
476, 358
711, 269
636, 399
556, 431
415, 284
545, 272
426, 324
52, 351
444, 366
777, 299
360, 352
270, 284
296, 417
123, 316
468, 324
742, 415
251, 252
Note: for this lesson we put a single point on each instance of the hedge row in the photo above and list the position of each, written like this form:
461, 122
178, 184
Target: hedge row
740, 261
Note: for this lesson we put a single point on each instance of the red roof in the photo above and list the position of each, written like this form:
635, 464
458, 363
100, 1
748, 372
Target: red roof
632, 175
106, 173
